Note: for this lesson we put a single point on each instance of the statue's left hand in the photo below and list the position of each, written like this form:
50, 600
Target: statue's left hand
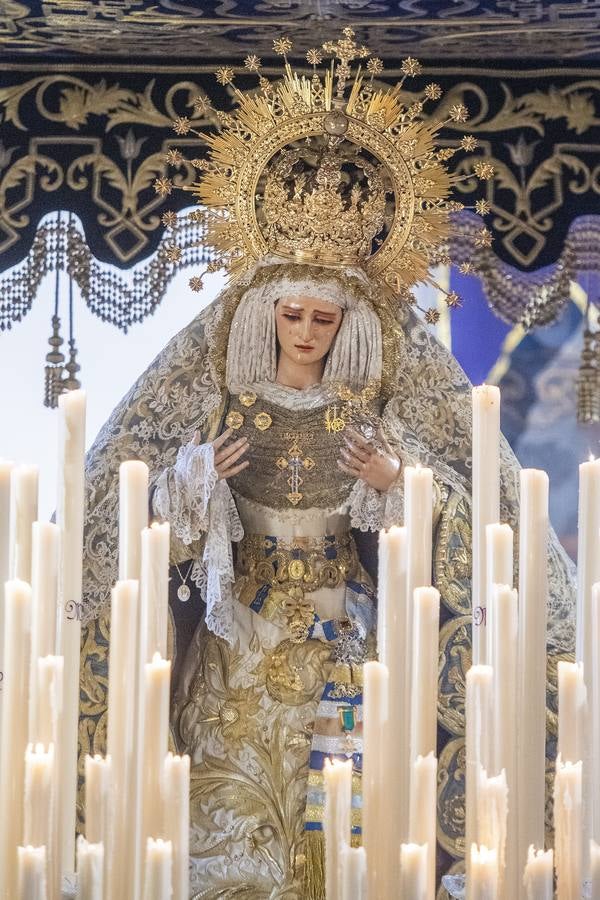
379, 465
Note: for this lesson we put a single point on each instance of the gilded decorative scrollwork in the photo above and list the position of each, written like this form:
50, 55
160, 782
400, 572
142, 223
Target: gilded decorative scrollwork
451, 798
455, 661
453, 556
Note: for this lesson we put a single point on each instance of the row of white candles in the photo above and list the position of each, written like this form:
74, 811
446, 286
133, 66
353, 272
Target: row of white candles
505, 704
137, 797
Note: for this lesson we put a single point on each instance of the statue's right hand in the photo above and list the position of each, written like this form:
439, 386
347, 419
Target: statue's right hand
228, 456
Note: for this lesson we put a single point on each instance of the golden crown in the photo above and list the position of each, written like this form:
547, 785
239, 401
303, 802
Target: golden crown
327, 168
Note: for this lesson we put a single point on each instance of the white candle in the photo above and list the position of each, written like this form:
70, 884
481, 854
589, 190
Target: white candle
157, 870
337, 778
423, 811
23, 513
502, 654
418, 519
157, 676
478, 731
39, 769
538, 878
44, 598
499, 542
486, 500
69, 517
492, 798
133, 517
423, 710
531, 684
98, 772
90, 870
572, 711
354, 873
122, 722
46, 729
176, 775
154, 589
414, 872
568, 825
393, 644
594, 870
483, 874
5, 470
375, 779
17, 637
31, 876
593, 735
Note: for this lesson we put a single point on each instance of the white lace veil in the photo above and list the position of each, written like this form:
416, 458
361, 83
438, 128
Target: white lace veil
426, 414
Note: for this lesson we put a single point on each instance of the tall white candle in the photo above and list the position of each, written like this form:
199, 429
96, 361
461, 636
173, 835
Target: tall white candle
486, 501
69, 517
39, 769
483, 874
539, 875
122, 722
531, 685
157, 870
502, 654
594, 870
98, 778
157, 676
154, 588
133, 517
17, 637
414, 862
354, 873
393, 642
593, 734
568, 824
423, 710
44, 598
375, 778
572, 711
31, 875
90, 870
418, 519
46, 729
423, 811
5, 470
492, 799
176, 782
478, 714
337, 778
23, 513
588, 573
499, 542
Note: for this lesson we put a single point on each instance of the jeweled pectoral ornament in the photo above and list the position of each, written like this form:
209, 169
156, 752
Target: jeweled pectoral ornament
295, 461
234, 420
334, 419
262, 421
248, 399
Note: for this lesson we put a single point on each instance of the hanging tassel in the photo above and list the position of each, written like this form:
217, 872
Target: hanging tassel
588, 384
314, 866
71, 383
54, 366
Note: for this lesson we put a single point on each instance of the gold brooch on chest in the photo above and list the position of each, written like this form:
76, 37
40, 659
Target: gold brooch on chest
262, 421
234, 420
295, 462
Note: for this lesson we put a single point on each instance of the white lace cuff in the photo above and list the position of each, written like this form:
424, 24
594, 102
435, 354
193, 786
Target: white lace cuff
372, 510
196, 503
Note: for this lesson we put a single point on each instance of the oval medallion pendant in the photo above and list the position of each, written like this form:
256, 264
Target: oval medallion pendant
183, 592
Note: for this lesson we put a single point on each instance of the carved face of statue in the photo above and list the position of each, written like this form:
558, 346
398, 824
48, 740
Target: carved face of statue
306, 327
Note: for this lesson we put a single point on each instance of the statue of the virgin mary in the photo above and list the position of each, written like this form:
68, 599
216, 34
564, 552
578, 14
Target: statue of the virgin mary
276, 427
